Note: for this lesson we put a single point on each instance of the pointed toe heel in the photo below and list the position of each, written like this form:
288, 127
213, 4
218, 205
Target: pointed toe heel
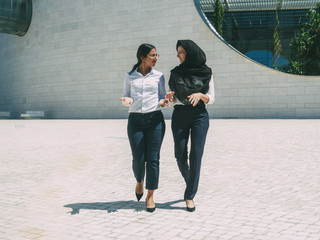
139, 196
191, 209
139, 188
151, 209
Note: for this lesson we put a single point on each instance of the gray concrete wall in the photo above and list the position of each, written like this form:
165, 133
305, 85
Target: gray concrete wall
72, 62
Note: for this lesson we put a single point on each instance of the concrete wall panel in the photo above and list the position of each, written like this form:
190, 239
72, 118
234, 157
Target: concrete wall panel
72, 61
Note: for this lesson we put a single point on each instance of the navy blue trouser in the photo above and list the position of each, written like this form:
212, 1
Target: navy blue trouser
146, 132
193, 121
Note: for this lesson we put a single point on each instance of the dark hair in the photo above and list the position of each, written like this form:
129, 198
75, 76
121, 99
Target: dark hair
143, 51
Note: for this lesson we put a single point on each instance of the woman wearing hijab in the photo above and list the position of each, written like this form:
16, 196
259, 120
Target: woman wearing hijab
192, 88
144, 92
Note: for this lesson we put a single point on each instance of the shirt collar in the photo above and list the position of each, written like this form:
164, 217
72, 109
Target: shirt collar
150, 73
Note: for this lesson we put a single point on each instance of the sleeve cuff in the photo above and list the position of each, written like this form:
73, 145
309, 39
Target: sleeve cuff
211, 99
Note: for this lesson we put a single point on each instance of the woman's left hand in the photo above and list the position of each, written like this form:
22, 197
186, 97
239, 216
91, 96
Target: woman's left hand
164, 102
194, 98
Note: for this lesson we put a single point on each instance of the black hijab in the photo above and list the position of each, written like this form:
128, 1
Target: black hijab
193, 75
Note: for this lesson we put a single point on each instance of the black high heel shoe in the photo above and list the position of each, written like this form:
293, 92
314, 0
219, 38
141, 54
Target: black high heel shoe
150, 209
192, 209
139, 196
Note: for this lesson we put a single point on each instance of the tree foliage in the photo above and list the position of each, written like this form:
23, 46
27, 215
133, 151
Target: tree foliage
218, 15
305, 47
277, 47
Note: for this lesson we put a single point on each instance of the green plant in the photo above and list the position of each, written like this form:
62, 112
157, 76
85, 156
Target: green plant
277, 48
218, 15
305, 47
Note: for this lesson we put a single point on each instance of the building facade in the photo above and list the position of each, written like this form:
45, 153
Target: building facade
72, 61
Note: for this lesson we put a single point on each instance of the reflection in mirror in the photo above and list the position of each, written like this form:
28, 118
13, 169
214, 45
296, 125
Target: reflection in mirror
15, 16
262, 30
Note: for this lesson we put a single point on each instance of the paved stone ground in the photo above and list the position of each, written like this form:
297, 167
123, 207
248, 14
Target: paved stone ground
72, 179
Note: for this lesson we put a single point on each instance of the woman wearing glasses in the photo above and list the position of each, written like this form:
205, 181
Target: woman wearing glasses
144, 92
192, 88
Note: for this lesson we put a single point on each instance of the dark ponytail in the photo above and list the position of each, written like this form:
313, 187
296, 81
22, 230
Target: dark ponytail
143, 51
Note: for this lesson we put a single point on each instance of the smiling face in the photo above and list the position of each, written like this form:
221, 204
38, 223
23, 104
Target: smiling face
151, 59
181, 54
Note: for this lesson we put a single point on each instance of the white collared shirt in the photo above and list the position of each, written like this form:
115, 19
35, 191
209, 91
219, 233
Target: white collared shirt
145, 91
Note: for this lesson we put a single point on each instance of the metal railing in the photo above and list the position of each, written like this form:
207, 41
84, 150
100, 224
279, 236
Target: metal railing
259, 5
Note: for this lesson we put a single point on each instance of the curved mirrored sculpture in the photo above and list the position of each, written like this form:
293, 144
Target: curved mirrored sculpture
251, 26
15, 16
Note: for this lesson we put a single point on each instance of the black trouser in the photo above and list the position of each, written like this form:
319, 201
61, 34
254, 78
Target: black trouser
146, 132
194, 121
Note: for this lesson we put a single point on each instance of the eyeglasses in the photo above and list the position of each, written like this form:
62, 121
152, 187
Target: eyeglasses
154, 55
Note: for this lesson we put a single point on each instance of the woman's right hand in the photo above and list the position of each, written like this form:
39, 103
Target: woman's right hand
170, 96
126, 101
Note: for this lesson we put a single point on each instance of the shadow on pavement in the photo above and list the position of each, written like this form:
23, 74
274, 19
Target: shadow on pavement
117, 205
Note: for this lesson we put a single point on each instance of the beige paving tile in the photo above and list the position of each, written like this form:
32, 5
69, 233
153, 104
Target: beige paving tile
72, 179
